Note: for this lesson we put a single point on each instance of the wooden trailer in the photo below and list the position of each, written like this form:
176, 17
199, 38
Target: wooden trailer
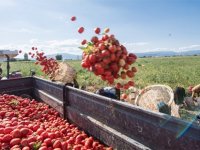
118, 124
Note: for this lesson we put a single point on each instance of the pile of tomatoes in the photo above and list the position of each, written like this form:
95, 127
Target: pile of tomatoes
30, 125
107, 58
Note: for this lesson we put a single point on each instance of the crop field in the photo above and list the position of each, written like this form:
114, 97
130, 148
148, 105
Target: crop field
172, 71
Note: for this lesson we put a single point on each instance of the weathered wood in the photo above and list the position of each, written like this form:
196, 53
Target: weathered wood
144, 126
49, 87
103, 132
50, 100
118, 124
17, 86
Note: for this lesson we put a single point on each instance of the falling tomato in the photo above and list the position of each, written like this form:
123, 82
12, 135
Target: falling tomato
97, 30
81, 30
73, 18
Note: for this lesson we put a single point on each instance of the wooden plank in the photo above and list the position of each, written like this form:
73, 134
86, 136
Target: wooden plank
103, 132
50, 100
49, 87
17, 86
144, 126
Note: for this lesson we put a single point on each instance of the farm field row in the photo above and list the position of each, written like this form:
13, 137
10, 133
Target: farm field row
172, 71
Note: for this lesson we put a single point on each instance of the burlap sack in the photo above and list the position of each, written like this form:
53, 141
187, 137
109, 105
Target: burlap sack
65, 73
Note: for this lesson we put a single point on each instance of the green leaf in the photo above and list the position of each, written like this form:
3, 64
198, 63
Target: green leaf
81, 47
37, 145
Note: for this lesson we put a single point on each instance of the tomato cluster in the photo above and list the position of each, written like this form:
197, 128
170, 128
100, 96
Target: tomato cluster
32, 125
49, 65
107, 58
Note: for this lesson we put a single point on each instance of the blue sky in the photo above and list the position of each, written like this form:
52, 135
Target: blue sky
141, 25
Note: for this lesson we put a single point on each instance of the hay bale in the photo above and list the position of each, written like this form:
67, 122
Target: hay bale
65, 73
196, 90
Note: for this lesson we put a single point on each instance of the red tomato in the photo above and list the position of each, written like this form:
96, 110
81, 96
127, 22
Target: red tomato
26, 148
112, 48
24, 142
84, 42
43, 148
126, 66
52, 135
8, 130
7, 138
97, 30
80, 30
57, 149
131, 83
32, 139
24, 131
48, 141
130, 73
77, 147
40, 131
88, 143
112, 57
73, 18
134, 69
118, 85
64, 145
16, 133
124, 96
94, 39
15, 141
126, 86
105, 53
92, 58
57, 144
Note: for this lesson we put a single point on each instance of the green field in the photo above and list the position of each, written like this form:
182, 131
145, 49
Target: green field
172, 71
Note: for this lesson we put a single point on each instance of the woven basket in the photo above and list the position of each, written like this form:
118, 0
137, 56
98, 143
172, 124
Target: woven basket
151, 96
64, 74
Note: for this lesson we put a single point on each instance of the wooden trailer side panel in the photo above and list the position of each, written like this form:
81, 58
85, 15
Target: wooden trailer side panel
17, 86
50, 93
153, 130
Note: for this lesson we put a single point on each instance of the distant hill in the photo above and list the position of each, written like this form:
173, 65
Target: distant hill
168, 53
67, 56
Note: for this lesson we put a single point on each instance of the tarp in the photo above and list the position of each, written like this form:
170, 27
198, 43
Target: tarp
11, 54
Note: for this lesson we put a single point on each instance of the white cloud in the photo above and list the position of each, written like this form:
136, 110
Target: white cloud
190, 47
176, 49
136, 44
49, 47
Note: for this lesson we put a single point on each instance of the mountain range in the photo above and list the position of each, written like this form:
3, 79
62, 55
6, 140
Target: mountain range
67, 56
168, 53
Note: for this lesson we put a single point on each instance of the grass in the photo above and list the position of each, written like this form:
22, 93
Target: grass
172, 71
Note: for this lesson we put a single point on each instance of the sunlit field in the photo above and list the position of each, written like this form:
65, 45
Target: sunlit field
172, 71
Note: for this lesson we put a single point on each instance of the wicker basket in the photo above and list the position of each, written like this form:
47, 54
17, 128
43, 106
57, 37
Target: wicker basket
151, 96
